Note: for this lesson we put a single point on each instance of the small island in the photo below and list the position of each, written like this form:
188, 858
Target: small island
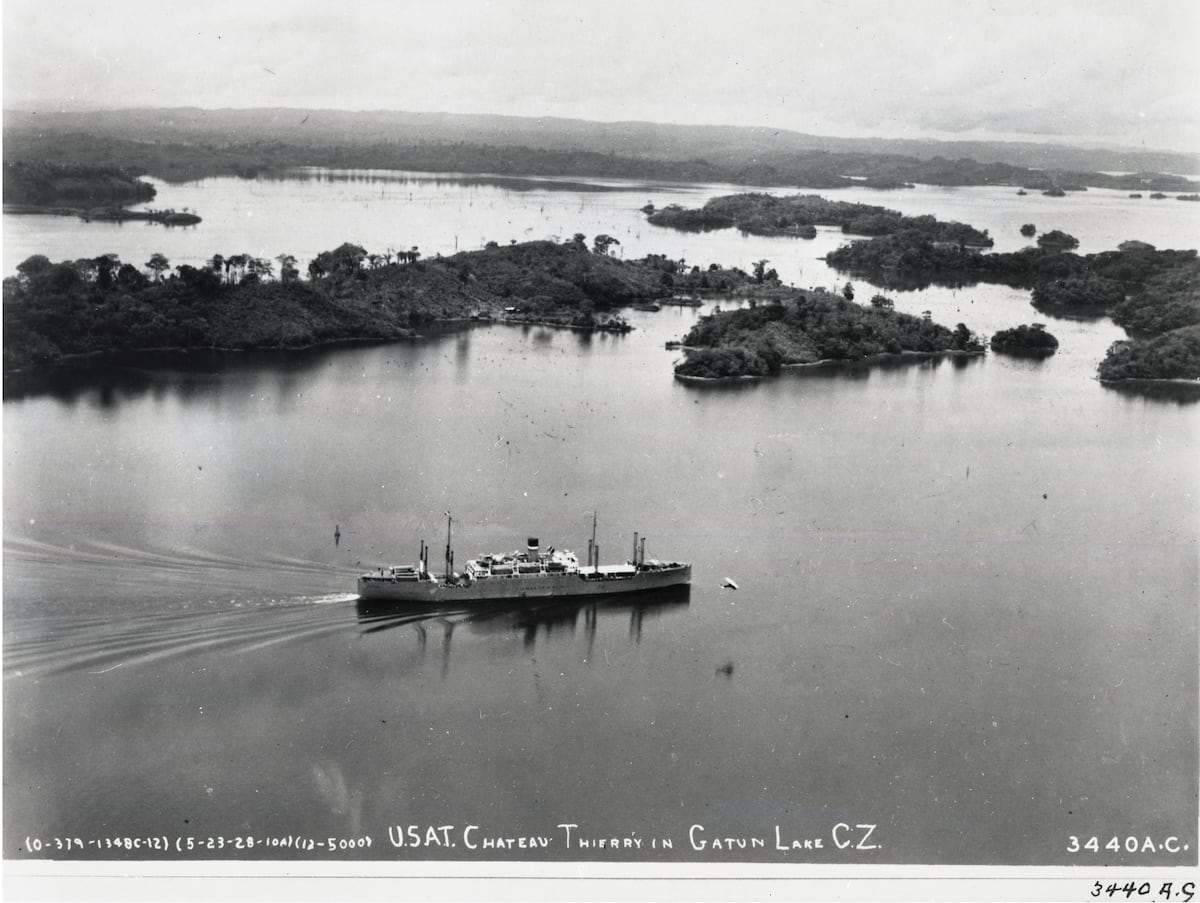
807, 327
1032, 339
798, 216
1057, 240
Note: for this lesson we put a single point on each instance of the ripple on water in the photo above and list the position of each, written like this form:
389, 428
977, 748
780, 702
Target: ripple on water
63, 644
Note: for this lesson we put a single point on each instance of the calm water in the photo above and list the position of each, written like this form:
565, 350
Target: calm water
967, 589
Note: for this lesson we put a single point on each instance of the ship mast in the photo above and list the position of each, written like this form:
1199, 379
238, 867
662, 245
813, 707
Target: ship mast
449, 554
593, 555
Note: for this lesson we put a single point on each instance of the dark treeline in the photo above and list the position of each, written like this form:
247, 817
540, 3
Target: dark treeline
1151, 293
912, 253
174, 159
723, 146
1165, 317
43, 183
1172, 355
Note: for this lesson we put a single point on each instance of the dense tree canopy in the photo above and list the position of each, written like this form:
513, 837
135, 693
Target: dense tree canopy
1025, 338
799, 215
1057, 240
809, 326
1173, 355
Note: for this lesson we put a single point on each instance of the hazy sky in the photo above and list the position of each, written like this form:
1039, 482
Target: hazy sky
1088, 70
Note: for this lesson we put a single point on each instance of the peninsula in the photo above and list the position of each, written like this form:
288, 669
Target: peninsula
104, 305
100, 193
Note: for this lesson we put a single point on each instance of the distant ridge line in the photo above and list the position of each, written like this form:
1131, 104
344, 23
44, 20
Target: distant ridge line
719, 144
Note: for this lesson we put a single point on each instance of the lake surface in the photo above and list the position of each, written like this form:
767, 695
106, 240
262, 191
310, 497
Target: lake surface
966, 611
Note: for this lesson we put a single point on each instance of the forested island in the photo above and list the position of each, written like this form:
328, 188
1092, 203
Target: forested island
1151, 293
806, 327
1032, 339
799, 215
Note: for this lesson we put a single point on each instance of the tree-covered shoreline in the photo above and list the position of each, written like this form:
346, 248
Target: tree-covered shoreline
1149, 292
104, 305
46, 184
1174, 355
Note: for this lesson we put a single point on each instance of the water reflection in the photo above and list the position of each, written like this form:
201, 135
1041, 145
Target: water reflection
853, 371
1178, 393
1078, 314
528, 619
109, 380
1031, 356
897, 281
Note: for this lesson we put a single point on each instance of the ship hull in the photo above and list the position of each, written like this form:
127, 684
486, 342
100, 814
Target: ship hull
542, 586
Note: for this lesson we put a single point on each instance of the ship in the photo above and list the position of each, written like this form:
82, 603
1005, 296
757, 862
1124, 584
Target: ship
528, 574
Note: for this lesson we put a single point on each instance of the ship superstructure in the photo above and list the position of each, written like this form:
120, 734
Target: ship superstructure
531, 573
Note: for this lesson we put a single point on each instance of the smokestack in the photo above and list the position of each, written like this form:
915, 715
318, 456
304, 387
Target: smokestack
531, 548
633, 560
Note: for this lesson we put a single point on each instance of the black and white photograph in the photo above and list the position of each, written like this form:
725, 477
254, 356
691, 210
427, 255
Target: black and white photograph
512, 449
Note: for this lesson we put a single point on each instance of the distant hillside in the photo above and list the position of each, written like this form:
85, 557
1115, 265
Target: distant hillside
718, 145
